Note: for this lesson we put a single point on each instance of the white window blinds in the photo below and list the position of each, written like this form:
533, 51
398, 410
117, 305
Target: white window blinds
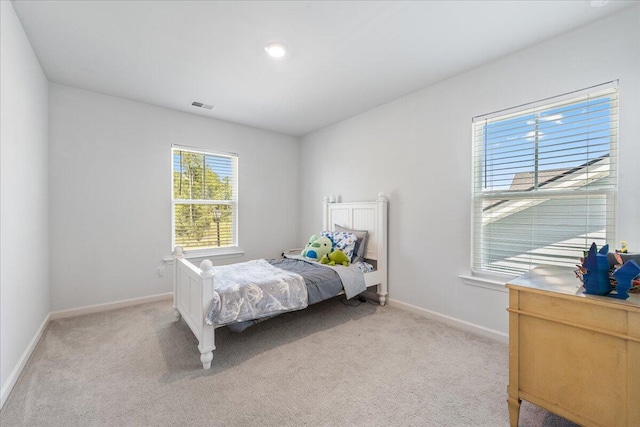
545, 181
205, 199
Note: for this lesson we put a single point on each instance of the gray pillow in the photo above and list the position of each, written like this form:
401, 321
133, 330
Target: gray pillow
361, 244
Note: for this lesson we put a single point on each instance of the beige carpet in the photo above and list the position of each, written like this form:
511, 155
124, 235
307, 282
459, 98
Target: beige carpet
328, 365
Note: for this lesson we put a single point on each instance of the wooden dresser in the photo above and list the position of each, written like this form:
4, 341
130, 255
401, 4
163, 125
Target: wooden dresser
575, 355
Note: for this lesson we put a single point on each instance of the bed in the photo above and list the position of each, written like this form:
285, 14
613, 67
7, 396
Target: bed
193, 290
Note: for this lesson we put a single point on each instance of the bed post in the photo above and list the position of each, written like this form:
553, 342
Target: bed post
206, 343
381, 229
325, 214
178, 252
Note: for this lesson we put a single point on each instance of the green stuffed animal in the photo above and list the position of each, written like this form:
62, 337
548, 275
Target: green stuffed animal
336, 257
312, 239
317, 248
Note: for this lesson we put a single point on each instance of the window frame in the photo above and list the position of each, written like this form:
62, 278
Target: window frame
213, 251
480, 195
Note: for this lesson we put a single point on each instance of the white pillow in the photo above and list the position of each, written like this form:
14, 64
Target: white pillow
361, 245
344, 241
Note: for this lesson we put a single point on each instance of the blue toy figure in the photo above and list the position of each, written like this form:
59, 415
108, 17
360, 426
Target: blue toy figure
596, 279
624, 275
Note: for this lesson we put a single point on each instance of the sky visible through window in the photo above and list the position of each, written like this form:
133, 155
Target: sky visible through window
221, 165
564, 137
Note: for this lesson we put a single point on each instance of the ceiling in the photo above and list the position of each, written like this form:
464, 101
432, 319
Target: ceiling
344, 57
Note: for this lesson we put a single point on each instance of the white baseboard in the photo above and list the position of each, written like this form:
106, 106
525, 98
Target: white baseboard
97, 308
13, 377
457, 323
15, 374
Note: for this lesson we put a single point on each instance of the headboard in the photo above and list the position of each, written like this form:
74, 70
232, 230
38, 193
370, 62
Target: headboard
370, 216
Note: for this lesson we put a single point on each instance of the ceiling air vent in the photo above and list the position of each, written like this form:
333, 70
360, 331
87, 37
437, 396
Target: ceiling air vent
199, 104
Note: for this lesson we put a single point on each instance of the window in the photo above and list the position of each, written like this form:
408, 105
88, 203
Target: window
544, 181
204, 199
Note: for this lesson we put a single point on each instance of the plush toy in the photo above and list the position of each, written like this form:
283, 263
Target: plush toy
317, 248
312, 239
336, 257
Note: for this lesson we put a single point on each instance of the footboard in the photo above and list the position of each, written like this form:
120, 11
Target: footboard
192, 295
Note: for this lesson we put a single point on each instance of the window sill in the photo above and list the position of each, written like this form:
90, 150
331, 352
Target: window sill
233, 252
493, 284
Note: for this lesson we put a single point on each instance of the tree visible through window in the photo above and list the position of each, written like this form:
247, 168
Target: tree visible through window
204, 199
545, 182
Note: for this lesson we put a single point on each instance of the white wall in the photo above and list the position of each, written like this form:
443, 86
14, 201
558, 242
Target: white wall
24, 251
418, 150
111, 193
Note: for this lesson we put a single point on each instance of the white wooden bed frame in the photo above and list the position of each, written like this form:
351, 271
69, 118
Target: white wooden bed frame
193, 287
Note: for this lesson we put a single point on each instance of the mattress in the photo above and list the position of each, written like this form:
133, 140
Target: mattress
322, 283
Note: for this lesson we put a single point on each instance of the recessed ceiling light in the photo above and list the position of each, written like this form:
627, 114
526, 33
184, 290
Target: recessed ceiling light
276, 50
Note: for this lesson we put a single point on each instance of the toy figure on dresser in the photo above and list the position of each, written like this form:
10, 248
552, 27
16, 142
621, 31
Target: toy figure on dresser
601, 273
595, 271
625, 274
623, 247
624, 277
